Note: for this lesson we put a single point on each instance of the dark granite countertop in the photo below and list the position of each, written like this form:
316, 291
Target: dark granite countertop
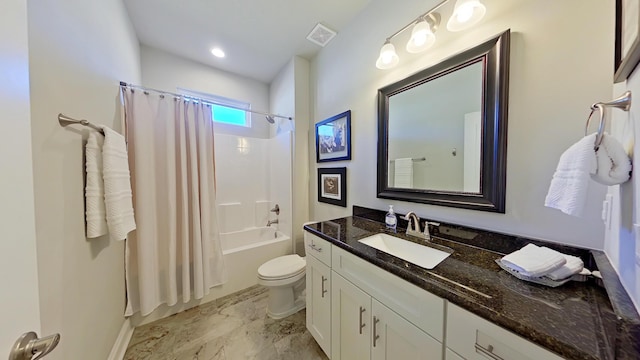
578, 320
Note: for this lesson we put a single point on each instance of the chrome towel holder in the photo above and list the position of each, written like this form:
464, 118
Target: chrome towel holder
623, 102
65, 120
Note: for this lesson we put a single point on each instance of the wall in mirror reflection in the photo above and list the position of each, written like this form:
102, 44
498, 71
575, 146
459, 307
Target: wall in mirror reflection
435, 133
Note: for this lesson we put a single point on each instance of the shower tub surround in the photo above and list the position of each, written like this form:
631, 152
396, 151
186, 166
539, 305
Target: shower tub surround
576, 320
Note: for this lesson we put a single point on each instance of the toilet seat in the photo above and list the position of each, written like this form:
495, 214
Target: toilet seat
283, 267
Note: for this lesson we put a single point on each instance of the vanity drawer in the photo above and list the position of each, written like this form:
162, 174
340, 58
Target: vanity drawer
475, 338
318, 248
419, 307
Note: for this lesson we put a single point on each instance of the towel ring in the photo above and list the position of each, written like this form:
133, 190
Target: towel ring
623, 102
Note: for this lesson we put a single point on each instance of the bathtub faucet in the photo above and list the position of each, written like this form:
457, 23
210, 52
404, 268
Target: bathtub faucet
270, 222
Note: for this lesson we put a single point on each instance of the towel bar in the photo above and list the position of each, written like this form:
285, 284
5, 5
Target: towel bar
623, 102
64, 120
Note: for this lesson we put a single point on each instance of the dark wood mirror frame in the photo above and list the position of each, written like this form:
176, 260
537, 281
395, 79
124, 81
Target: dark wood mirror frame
494, 54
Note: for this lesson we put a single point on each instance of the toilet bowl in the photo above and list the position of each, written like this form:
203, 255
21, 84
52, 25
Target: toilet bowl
285, 278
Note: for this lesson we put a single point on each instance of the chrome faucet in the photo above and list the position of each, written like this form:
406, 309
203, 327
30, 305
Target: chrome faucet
414, 230
271, 222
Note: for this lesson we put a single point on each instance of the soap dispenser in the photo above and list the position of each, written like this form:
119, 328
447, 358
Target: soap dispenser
391, 220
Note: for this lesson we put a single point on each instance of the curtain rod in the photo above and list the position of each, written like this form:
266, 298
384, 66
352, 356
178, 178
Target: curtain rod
124, 84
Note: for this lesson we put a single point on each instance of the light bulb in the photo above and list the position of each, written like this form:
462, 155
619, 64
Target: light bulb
217, 52
466, 14
388, 57
422, 38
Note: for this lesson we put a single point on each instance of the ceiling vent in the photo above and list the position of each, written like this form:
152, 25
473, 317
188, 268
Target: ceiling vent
321, 35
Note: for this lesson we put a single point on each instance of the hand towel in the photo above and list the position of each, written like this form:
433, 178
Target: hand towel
403, 175
117, 185
573, 266
570, 182
534, 261
94, 190
614, 165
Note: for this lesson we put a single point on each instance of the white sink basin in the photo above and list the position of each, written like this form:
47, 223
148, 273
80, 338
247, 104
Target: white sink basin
420, 255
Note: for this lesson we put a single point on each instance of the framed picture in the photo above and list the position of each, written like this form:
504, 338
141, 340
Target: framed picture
332, 186
627, 48
333, 138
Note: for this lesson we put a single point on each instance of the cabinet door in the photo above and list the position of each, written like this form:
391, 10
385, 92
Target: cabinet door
350, 321
319, 303
394, 338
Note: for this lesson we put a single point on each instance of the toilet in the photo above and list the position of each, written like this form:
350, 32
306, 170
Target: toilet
285, 278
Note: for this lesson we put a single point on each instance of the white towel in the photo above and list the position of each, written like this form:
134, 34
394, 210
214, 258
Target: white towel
568, 190
403, 173
534, 261
117, 185
573, 266
614, 165
94, 190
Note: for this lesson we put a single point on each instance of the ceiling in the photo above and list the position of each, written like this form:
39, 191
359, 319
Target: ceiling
259, 37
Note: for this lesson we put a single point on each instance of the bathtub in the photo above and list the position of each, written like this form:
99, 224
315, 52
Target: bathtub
245, 240
244, 251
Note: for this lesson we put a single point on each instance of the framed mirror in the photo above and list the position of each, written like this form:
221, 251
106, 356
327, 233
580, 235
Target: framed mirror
442, 132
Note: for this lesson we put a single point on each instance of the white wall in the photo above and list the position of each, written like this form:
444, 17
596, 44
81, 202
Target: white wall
560, 64
168, 72
79, 51
622, 237
290, 97
19, 307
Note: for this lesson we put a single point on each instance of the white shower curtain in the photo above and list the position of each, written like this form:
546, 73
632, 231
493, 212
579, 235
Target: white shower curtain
175, 251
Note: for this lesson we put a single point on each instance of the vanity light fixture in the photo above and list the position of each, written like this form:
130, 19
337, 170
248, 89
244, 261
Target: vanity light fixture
422, 36
388, 57
465, 14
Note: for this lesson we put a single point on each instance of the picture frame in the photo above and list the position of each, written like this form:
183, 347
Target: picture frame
627, 39
333, 138
332, 186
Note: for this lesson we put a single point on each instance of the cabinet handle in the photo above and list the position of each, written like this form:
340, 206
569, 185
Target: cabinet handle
488, 351
376, 336
314, 247
324, 291
361, 323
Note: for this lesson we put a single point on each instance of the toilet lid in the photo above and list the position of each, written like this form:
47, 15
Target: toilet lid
282, 267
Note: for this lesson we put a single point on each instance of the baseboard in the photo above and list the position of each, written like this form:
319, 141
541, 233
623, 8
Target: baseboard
120, 346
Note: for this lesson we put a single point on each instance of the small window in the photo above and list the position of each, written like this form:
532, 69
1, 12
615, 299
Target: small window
224, 110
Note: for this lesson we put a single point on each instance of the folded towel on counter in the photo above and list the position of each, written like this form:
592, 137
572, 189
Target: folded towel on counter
94, 190
614, 165
117, 185
574, 265
534, 261
568, 189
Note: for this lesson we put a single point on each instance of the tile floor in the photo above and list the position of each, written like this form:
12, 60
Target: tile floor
235, 327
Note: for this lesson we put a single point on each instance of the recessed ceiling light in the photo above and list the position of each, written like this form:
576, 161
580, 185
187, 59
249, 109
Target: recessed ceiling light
217, 52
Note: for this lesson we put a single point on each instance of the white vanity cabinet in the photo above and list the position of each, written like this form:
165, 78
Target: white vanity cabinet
364, 329
472, 337
370, 312
318, 298
358, 311
350, 321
